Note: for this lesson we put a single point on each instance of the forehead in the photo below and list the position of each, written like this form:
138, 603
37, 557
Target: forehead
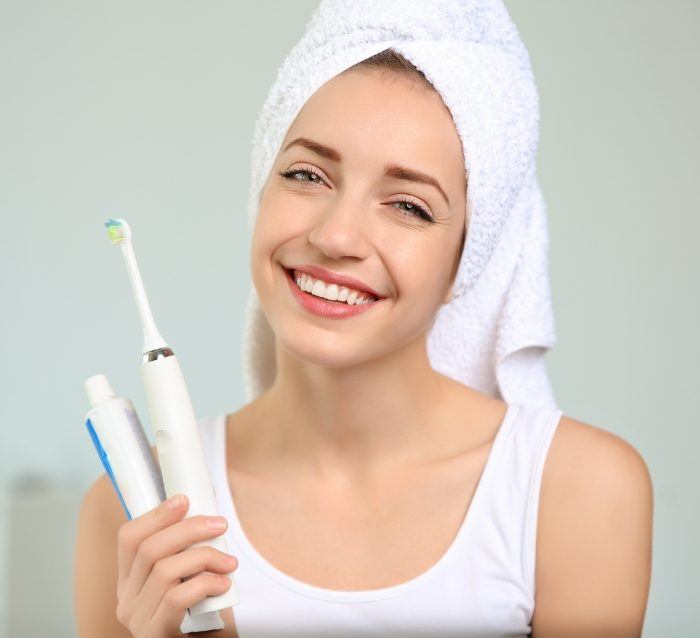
374, 117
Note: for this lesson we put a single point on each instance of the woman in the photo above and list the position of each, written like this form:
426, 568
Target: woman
349, 479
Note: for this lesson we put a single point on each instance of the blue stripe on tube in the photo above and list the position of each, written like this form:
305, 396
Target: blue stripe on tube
105, 462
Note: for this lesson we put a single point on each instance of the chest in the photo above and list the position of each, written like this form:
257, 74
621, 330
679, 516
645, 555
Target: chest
382, 536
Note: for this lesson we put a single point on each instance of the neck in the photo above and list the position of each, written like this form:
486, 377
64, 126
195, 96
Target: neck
353, 423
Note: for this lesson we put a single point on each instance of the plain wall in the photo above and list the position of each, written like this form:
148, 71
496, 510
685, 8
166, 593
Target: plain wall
146, 110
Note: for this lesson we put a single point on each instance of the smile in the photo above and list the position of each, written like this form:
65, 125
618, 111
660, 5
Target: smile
345, 305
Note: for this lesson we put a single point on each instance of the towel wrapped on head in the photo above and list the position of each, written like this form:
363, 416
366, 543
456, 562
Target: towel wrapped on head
495, 331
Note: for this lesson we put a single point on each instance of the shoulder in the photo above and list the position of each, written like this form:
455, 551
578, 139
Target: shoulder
594, 462
593, 556
102, 502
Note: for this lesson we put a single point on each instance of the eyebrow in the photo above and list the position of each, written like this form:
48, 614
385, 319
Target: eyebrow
392, 170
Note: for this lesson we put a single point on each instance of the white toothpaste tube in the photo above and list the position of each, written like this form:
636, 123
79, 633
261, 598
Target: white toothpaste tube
121, 444
123, 448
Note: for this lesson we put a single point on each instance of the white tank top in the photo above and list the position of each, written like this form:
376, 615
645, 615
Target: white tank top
483, 585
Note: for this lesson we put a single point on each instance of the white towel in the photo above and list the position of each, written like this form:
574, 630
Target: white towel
495, 332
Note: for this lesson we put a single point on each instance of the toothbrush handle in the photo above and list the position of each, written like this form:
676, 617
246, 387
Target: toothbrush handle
181, 456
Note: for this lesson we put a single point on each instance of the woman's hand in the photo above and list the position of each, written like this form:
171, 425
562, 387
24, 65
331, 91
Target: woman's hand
153, 559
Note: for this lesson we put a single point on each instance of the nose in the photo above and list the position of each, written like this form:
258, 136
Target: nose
341, 228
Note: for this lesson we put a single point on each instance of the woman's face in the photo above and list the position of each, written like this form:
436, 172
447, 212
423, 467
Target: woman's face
340, 210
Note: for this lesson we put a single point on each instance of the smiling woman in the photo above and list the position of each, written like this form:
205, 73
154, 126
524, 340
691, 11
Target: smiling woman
401, 467
385, 472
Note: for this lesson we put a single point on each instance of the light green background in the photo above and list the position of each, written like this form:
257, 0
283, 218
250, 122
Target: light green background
146, 109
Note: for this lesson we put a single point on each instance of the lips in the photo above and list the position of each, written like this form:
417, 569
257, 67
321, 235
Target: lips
324, 307
317, 272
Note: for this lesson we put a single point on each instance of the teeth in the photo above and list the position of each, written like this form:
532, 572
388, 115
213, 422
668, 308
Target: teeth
332, 292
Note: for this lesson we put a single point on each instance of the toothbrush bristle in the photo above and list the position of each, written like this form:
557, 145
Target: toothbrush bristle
115, 230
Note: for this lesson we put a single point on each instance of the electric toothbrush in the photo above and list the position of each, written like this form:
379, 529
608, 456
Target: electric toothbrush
173, 421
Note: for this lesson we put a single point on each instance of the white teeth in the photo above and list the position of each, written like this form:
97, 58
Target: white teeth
332, 292
318, 289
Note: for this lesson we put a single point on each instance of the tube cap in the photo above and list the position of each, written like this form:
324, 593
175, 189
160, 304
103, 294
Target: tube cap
98, 389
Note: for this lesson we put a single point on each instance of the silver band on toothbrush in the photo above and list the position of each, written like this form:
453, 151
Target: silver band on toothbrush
158, 353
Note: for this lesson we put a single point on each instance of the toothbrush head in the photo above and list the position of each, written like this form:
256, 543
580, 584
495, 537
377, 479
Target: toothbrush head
118, 231
120, 235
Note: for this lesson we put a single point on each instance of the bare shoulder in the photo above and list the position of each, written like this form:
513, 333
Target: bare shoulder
609, 464
594, 534
101, 501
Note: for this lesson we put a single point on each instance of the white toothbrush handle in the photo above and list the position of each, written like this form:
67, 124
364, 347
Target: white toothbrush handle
181, 456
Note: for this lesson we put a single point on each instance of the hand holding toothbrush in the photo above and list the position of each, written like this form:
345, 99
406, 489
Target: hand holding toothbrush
161, 575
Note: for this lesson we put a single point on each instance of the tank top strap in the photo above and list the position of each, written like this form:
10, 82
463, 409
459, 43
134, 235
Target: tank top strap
508, 523
534, 442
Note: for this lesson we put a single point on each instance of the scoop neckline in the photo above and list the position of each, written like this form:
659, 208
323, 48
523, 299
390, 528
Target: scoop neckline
364, 595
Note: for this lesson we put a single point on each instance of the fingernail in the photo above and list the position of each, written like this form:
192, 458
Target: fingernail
175, 501
216, 523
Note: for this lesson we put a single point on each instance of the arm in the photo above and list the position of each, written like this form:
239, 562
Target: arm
95, 563
594, 537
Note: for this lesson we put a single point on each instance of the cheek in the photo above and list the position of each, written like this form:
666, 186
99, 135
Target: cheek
275, 230
270, 232
264, 244
420, 270
282, 216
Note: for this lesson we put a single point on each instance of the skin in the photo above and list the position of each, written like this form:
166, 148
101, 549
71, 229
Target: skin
358, 427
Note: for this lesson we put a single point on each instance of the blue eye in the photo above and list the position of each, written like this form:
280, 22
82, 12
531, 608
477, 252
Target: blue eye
414, 211
290, 174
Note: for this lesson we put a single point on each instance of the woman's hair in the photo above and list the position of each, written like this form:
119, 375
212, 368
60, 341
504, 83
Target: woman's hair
393, 61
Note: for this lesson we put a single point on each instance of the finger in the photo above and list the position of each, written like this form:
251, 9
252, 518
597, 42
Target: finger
134, 532
176, 601
168, 573
163, 544
168, 542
